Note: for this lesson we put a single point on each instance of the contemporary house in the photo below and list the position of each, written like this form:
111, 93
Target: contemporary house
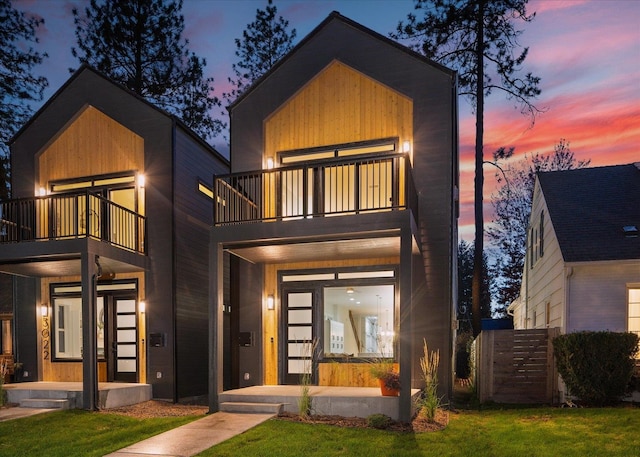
334, 237
582, 267
106, 239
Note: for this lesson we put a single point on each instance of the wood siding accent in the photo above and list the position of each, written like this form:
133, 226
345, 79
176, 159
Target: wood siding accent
346, 374
90, 144
271, 318
516, 366
340, 105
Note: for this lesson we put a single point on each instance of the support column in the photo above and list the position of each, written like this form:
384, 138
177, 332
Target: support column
90, 266
405, 331
216, 327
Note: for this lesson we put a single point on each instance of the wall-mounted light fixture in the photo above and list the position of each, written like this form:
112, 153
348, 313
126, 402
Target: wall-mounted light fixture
271, 302
142, 306
140, 180
41, 192
44, 310
406, 146
270, 163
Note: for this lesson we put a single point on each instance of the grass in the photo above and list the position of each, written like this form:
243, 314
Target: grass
493, 432
78, 433
521, 432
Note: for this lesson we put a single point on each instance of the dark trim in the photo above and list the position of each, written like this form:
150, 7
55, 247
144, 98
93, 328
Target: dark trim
85, 67
78, 294
341, 147
337, 16
316, 287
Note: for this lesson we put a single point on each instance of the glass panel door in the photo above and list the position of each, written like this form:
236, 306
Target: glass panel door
125, 343
298, 311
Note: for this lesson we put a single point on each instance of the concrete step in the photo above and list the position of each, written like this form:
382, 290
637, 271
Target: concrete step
49, 403
246, 407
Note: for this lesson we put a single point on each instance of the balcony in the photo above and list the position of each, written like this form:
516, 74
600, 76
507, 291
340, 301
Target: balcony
338, 187
71, 216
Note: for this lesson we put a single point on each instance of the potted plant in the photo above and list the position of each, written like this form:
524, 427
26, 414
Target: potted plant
388, 378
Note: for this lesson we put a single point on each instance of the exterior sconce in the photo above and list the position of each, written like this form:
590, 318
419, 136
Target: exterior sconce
41, 192
406, 146
142, 306
140, 180
269, 163
271, 302
44, 310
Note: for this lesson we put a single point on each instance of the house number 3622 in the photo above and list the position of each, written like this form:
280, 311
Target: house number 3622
45, 333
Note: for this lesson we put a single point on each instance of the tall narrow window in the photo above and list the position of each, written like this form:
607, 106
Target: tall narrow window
541, 247
633, 324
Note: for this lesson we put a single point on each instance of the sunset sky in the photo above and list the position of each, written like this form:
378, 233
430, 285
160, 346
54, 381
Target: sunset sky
586, 52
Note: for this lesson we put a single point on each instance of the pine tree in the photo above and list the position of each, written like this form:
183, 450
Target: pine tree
19, 87
512, 206
265, 41
138, 43
478, 39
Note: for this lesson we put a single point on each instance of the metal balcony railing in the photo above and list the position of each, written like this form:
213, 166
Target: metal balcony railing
71, 215
343, 186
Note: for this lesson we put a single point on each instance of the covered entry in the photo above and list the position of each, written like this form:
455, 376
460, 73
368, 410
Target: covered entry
116, 314
336, 316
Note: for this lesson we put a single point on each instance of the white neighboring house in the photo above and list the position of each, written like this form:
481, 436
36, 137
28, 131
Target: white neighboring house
582, 267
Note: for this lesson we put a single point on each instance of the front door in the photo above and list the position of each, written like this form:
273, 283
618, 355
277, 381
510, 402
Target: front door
123, 356
299, 308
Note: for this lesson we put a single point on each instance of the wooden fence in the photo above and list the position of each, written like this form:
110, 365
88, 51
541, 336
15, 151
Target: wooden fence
516, 366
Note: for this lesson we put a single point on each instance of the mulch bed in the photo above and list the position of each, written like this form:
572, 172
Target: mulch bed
418, 425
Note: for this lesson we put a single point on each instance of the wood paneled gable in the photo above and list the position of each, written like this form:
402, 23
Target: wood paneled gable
339, 105
90, 144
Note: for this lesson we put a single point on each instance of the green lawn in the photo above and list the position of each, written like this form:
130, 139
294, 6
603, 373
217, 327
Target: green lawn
77, 433
514, 432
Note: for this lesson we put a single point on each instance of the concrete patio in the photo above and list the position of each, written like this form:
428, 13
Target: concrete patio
68, 395
326, 400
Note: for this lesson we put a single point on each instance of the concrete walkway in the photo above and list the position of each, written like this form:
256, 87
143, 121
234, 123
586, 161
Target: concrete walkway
17, 412
194, 437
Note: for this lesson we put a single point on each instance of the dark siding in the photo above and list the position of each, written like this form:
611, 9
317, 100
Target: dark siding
250, 314
6, 294
193, 214
433, 92
27, 295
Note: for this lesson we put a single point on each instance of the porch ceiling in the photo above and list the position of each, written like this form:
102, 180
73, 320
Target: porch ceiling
62, 267
63, 258
319, 250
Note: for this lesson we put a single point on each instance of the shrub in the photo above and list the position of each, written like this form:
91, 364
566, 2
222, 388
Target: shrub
596, 366
380, 421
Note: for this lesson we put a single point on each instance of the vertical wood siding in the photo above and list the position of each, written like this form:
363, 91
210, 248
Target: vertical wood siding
338, 106
92, 144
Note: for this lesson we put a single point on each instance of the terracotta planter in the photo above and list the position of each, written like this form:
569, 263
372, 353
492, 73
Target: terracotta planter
386, 392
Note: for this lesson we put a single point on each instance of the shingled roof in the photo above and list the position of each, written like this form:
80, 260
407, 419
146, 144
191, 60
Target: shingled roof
589, 207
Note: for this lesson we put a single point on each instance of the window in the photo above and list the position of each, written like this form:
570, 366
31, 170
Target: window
633, 324
204, 189
536, 241
6, 335
67, 314
67, 317
359, 321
